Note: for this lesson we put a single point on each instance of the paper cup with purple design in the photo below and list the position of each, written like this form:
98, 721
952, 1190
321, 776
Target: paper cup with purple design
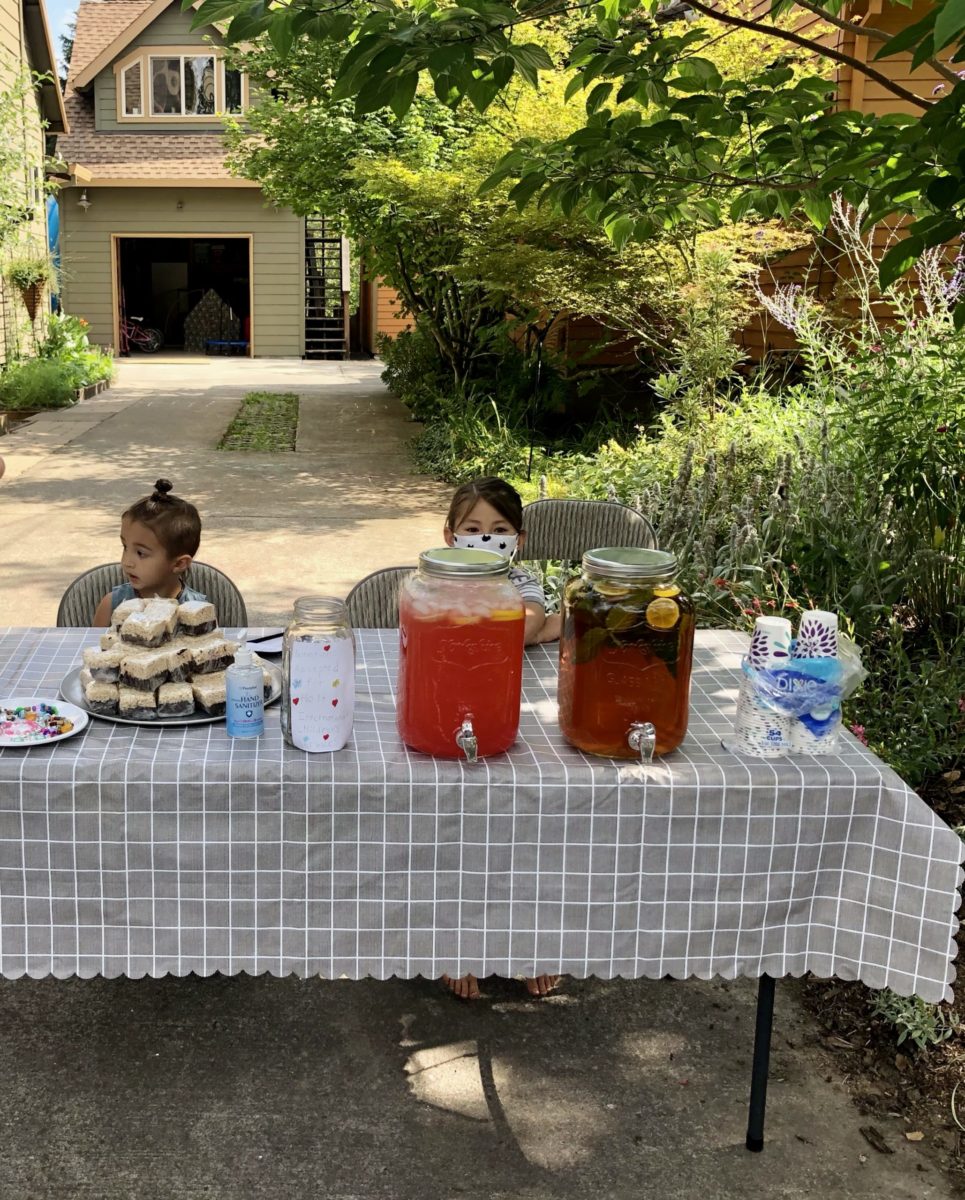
817, 636
770, 644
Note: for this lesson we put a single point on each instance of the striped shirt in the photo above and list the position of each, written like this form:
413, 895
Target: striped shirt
527, 585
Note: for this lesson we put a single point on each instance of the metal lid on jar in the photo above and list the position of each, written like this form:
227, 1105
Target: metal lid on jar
630, 562
453, 562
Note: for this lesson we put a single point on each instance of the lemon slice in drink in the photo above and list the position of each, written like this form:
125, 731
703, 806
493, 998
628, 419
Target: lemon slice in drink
505, 614
610, 590
662, 613
670, 590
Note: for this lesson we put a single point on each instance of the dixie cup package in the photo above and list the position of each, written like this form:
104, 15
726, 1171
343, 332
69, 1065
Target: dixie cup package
792, 688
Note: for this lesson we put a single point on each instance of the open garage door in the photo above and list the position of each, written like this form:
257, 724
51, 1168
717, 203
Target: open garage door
195, 290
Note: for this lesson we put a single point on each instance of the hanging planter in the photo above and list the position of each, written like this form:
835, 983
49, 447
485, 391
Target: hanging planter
29, 276
31, 297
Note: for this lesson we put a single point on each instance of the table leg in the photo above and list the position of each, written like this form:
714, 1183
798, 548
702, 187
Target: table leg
762, 1054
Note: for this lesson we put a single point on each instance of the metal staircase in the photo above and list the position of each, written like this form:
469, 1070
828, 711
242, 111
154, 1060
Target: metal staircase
326, 290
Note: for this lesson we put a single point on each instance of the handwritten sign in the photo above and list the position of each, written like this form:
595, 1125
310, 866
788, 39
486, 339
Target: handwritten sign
322, 693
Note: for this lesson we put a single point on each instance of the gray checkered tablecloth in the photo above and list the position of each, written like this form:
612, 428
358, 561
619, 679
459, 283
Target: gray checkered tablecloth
131, 850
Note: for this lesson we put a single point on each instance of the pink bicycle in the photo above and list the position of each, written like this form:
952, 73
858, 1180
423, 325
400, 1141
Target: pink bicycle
143, 337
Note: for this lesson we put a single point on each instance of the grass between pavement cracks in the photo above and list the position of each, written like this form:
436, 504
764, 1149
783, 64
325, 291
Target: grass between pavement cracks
265, 421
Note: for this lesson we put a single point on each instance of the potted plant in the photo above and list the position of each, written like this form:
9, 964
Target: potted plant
29, 275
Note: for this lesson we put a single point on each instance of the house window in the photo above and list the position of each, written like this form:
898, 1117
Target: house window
182, 86
232, 90
131, 90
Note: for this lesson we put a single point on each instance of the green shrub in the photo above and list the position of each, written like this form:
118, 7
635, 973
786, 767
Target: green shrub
916, 1021
468, 438
37, 383
28, 272
912, 705
67, 343
415, 372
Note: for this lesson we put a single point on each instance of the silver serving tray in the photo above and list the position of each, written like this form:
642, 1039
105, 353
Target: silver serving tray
72, 691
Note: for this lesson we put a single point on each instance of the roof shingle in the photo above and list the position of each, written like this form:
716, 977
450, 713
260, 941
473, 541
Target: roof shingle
99, 22
161, 154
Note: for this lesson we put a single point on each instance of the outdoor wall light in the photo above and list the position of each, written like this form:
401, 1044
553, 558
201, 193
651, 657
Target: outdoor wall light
83, 202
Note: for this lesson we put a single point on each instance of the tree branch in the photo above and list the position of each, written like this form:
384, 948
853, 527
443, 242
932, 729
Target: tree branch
787, 35
867, 31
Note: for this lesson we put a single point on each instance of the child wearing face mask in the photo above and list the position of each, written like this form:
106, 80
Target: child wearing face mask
487, 514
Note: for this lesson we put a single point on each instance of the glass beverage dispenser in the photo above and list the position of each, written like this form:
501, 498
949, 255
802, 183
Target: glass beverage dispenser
625, 655
461, 627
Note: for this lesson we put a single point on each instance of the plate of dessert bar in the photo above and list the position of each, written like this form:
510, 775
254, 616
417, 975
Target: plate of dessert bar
29, 721
159, 663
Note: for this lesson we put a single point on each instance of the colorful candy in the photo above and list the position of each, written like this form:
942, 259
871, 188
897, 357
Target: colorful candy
32, 723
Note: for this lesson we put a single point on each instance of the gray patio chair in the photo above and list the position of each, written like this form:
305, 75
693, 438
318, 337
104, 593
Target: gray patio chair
80, 601
564, 530
374, 601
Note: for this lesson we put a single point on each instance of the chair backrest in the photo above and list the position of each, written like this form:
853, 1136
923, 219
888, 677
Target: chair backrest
374, 601
566, 529
79, 603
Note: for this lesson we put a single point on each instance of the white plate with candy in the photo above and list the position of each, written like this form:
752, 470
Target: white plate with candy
36, 721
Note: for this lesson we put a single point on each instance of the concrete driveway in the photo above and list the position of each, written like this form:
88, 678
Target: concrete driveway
281, 525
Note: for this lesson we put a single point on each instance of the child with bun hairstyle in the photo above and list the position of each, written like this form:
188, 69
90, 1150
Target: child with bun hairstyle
487, 514
160, 535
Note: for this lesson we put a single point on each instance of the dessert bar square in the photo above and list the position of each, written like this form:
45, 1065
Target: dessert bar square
110, 637
145, 670
212, 654
135, 705
175, 700
124, 610
104, 665
153, 625
209, 693
181, 650
101, 698
197, 617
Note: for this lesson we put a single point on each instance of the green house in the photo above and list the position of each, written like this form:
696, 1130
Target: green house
155, 231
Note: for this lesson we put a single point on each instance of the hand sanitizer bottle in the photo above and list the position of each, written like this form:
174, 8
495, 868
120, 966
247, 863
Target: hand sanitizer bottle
244, 692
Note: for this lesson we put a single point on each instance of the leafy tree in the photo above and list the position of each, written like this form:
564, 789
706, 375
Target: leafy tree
657, 147
66, 53
409, 190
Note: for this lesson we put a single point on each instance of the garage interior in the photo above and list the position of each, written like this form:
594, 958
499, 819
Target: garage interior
195, 290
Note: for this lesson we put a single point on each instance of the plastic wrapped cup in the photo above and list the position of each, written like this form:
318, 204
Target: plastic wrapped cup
816, 733
758, 730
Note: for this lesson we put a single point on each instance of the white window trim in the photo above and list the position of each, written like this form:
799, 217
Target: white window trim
143, 55
122, 92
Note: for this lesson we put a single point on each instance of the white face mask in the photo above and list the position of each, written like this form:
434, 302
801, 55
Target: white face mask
501, 543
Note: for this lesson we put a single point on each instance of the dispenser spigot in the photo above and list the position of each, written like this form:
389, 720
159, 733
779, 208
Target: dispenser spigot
643, 738
466, 741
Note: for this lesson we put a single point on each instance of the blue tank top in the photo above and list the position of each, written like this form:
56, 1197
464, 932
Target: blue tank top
124, 591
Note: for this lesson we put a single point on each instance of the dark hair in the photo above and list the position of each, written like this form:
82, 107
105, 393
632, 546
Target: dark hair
502, 496
175, 523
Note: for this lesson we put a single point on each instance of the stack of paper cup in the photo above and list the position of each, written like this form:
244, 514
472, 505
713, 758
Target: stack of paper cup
758, 730
817, 732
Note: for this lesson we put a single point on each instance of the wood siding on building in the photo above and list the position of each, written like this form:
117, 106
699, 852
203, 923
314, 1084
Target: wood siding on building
19, 337
278, 250
389, 318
